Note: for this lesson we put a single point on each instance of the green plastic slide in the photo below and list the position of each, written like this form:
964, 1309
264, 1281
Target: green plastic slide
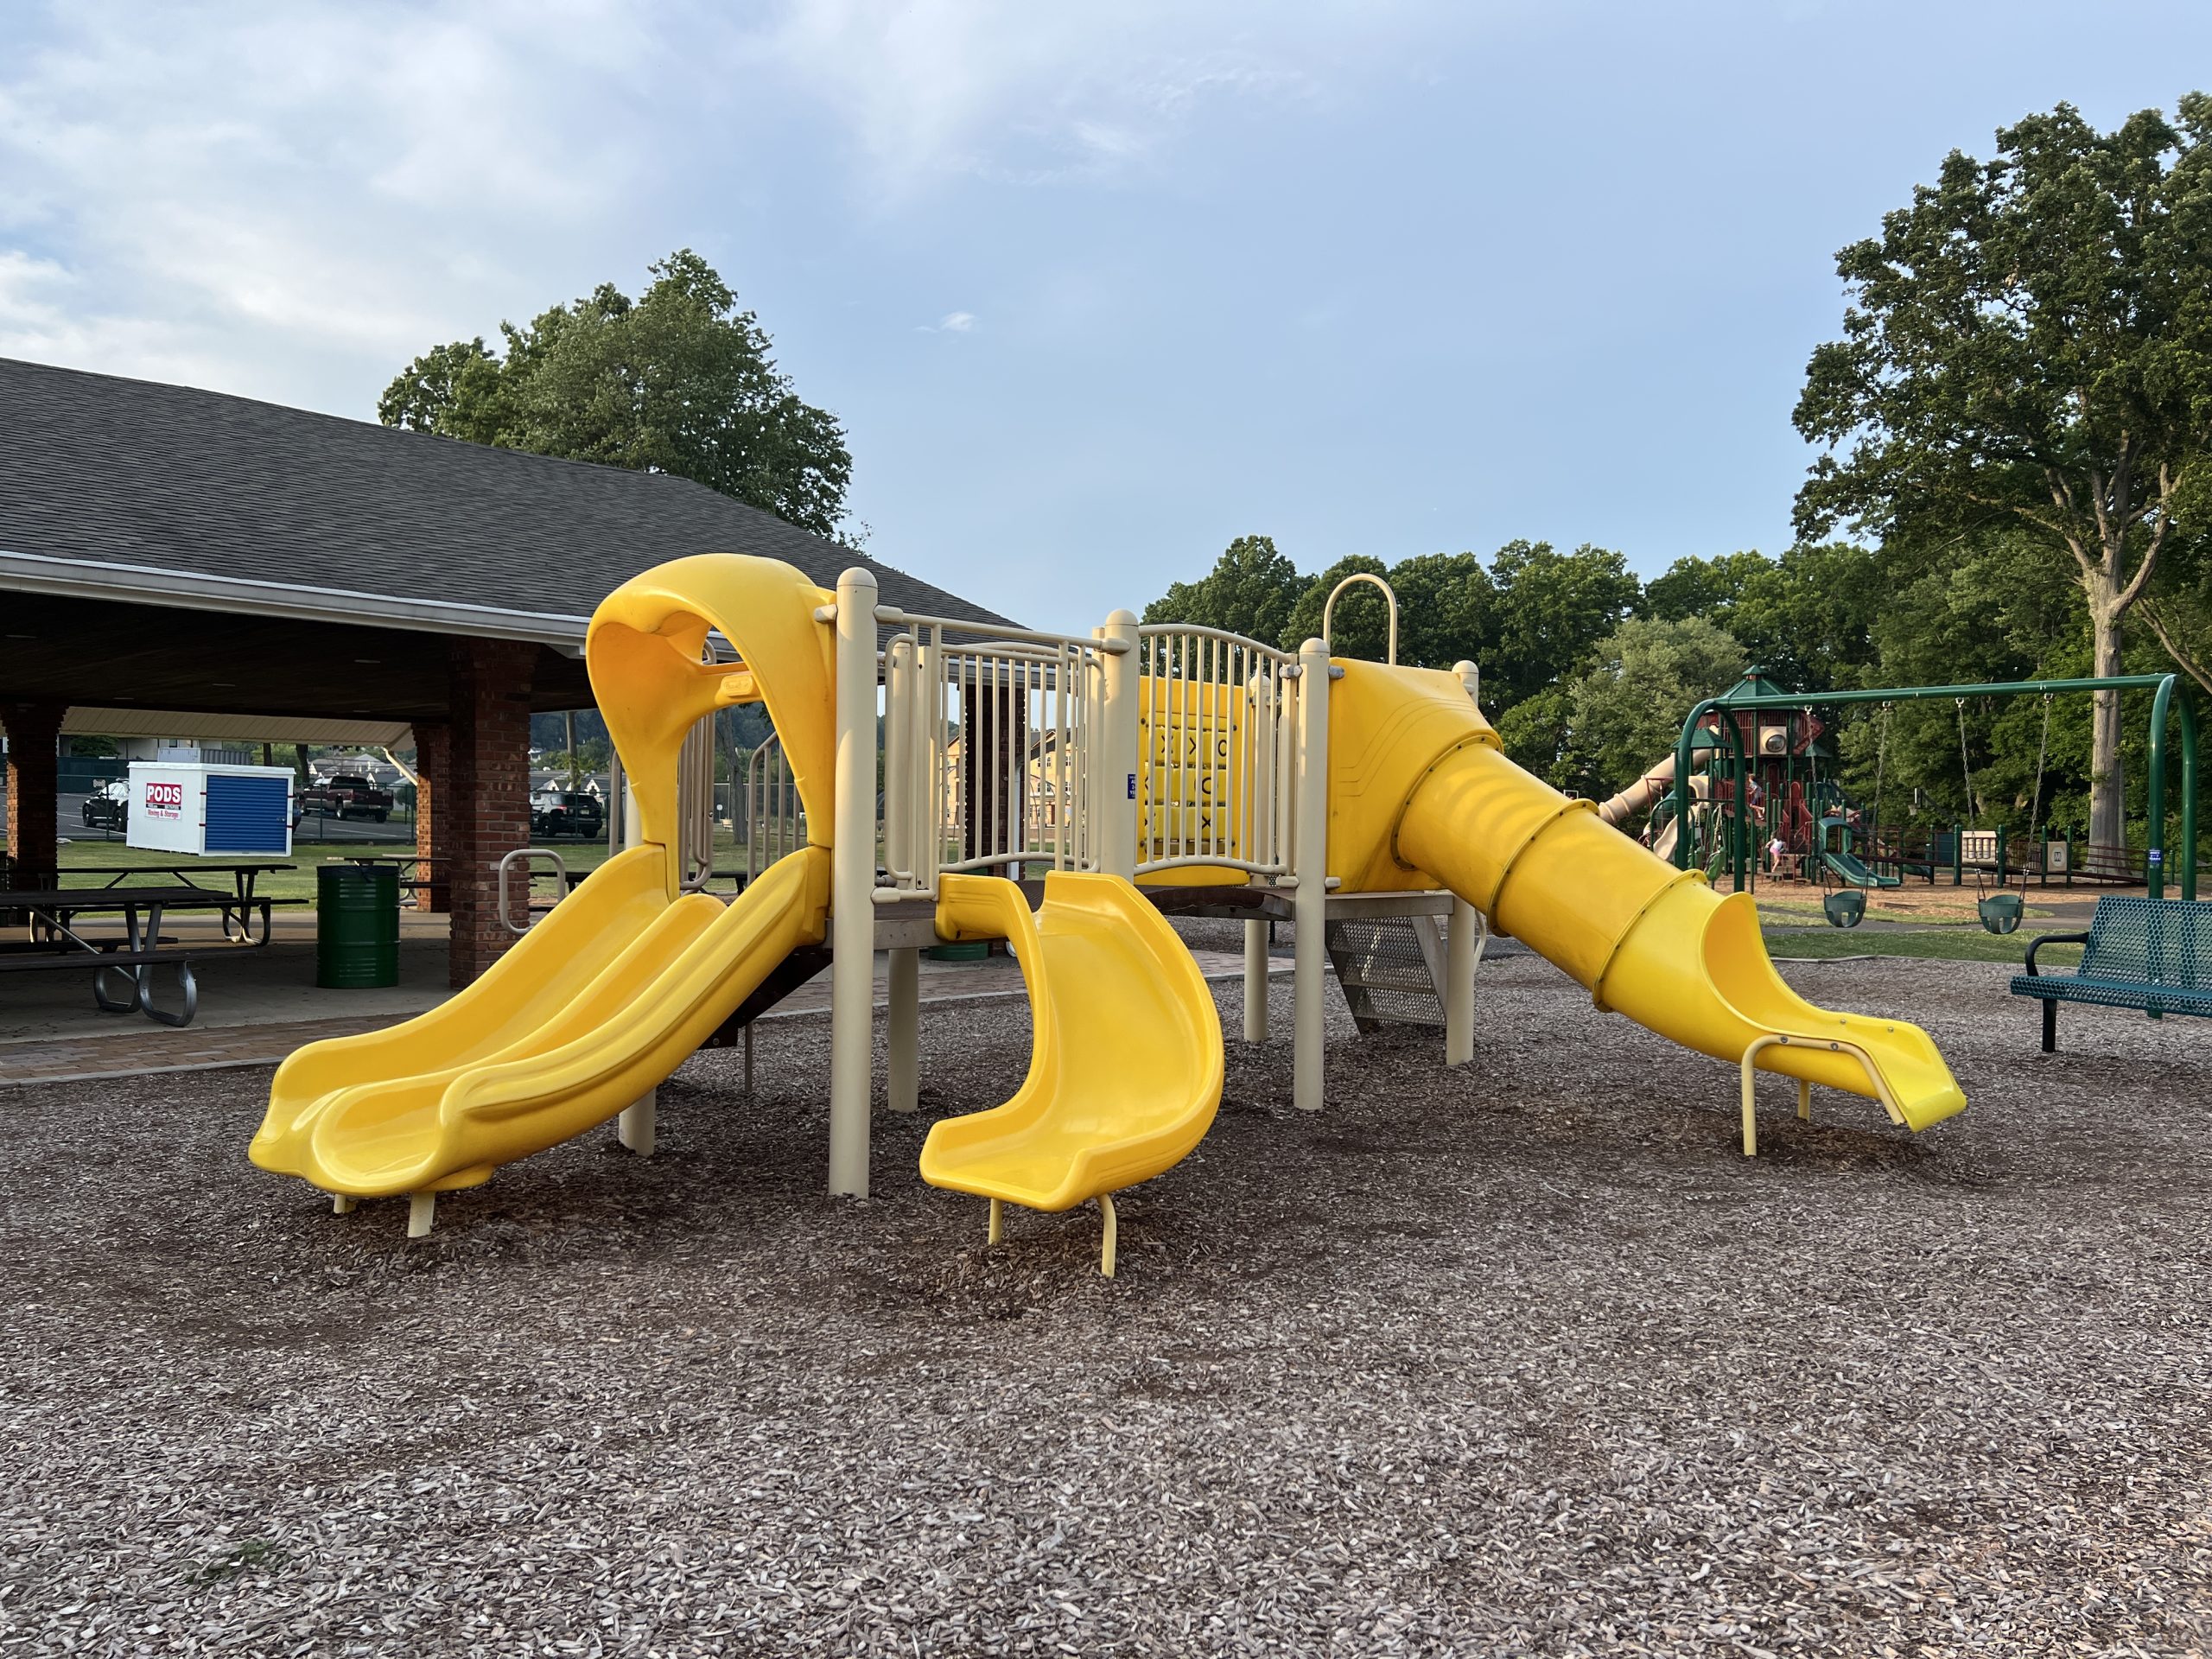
1846, 865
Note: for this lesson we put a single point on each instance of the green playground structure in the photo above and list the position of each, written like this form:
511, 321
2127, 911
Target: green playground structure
1711, 732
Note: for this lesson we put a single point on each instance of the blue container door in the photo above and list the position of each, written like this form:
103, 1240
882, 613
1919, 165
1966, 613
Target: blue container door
248, 815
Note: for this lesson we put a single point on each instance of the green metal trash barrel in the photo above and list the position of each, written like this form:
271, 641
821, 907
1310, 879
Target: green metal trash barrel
356, 926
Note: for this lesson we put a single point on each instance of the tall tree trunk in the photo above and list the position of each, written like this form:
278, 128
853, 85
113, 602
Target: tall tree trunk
2108, 778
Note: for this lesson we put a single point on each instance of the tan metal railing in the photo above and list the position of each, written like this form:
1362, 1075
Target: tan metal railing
989, 750
1217, 718
774, 817
695, 805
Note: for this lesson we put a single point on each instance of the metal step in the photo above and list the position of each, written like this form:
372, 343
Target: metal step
1390, 969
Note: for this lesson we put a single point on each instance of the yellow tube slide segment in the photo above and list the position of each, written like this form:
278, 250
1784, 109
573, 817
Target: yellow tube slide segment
570, 1027
644, 652
1125, 1065
1421, 793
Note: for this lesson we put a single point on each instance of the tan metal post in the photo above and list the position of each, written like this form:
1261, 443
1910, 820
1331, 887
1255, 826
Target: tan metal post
1310, 905
852, 888
635, 1129
902, 768
1461, 954
1255, 982
1117, 828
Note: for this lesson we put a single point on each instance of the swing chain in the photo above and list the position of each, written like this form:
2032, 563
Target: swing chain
1881, 757
1965, 765
2043, 749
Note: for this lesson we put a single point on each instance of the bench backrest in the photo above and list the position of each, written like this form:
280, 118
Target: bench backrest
2151, 941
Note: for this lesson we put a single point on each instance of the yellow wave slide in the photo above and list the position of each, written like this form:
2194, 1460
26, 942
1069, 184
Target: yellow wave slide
1125, 1065
591, 1008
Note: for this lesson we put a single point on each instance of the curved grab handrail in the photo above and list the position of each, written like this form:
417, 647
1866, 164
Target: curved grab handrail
1329, 606
525, 853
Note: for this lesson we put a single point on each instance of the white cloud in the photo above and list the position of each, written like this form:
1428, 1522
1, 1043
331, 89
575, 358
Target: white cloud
291, 201
952, 322
1013, 91
250, 200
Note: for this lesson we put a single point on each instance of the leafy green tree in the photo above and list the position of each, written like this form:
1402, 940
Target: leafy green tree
678, 380
1553, 610
2177, 607
1250, 590
1361, 624
1628, 710
1998, 606
1707, 587
1447, 609
2030, 343
1535, 731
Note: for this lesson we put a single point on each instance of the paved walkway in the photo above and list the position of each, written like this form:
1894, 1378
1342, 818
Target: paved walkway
265, 1024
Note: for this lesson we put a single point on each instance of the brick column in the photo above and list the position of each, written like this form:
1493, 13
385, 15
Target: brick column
33, 742
433, 813
487, 786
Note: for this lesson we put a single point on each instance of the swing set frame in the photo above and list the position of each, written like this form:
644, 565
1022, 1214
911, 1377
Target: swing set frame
2169, 706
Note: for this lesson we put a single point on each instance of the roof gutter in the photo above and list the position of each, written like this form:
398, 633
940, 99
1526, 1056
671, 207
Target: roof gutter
144, 584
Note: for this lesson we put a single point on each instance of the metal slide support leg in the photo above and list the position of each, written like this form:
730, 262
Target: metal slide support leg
995, 1229
1107, 1245
1461, 952
906, 1084
421, 1210
635, 1126
1804, 1101
341, 1203
1255, 982
852, 889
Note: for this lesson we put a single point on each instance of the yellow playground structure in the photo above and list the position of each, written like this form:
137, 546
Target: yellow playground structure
1140, 770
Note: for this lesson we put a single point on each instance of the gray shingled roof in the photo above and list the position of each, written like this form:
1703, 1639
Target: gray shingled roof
133, 473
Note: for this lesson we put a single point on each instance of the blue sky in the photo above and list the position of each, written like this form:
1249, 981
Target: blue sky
1094, 288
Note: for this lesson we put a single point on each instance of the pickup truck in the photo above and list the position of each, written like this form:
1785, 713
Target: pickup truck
347, 795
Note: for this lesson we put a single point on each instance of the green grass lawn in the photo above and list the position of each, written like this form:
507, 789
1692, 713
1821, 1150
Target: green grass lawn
1773, 912
299, 882
1946, 944
1946, 939
296, 883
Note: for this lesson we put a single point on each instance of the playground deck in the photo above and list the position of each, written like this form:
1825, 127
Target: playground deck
1523, 1357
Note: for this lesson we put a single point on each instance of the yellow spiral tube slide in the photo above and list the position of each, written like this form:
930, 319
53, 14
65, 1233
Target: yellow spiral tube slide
1422, 794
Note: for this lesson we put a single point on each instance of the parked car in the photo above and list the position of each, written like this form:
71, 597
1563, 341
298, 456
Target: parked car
347, 795
566, 812
108, 807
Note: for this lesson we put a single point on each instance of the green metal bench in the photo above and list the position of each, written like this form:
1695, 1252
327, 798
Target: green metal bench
2152, 954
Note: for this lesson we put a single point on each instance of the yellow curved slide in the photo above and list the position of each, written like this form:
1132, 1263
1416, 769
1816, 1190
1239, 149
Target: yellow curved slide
1125, 1065
1420, 788
595, 1006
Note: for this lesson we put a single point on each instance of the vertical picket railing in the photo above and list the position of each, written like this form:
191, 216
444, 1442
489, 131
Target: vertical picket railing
774, 819
695, 806
990, 758
1219, 720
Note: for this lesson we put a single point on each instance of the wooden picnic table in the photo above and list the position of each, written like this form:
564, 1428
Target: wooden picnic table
243, 878
55, 943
